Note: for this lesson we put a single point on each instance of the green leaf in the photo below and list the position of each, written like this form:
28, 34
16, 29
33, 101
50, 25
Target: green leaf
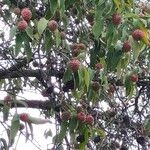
53, 6
113, 58
28, 50
86, 78
67, 75
15, 124
58, 38
6, 109
147, 126
29, 32
48, 41
129, 86
12, 32
99, 19
19, 43
42, 24
59, 138
61, 5
73, 124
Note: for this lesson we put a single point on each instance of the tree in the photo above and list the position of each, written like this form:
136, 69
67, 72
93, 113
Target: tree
89, 59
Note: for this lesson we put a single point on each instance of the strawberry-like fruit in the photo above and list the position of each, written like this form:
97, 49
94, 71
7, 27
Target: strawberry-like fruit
137, 35
26, 14
81, 46
74, 64
76, 52
8, 100
116, 19
126, 46
24, 117
134, 78
98, 66
66, 116
52, 25
95, 86
22, 25
89, 119
17, 11
81, 116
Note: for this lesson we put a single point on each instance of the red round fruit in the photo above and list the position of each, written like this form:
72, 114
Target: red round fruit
98, 66
137, 34
26, 14
74, 46
66, 116
89, 119
116, 19
74, 64
134, 78
52, 25
8, 98
17, 11
76, 52
126, 46
81, 46
81, 116
22, 25
24, 117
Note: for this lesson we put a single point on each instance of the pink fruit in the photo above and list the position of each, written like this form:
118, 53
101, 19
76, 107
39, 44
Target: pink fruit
52, 25
137, 34
66, 116
22, 25
24, 117
81, 116
98, 66
126, 46
26, 14
74, 64
89, 119
17, 11
134, 78
116, 19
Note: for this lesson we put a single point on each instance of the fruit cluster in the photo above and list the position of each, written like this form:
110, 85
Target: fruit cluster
26, 16
82, 117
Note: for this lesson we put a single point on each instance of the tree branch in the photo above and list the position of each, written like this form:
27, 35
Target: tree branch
44, 105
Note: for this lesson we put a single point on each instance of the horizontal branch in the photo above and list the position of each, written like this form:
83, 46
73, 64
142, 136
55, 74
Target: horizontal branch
5, 74
44, 105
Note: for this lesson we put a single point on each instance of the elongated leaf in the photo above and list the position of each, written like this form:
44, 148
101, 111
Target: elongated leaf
42, 24
57, 37
29, 32
99, 19
12, 32
6, 109
19, 41
15, 124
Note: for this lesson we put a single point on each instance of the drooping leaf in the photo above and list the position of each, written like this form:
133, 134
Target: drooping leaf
15, 124
6, 109
19, 42
12, 32
57, 37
